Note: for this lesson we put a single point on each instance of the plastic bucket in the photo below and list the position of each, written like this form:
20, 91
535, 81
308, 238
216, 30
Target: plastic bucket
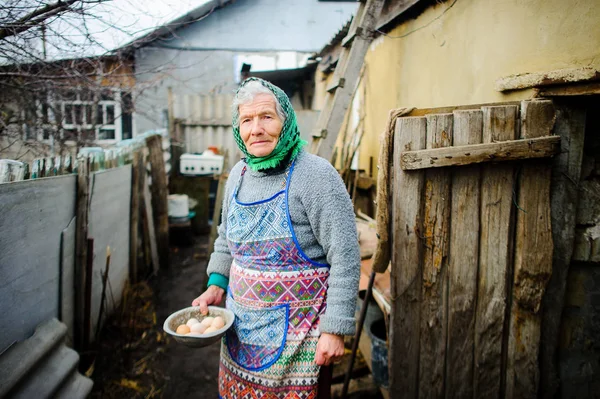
379, 353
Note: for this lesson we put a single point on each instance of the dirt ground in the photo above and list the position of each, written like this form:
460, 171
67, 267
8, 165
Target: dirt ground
136, 359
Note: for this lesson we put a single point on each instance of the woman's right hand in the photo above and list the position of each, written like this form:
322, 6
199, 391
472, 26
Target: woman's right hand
212, 296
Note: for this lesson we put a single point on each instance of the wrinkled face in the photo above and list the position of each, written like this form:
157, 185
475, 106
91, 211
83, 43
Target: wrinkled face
260, 126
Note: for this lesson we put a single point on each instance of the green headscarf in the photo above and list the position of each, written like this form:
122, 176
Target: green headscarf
289, 143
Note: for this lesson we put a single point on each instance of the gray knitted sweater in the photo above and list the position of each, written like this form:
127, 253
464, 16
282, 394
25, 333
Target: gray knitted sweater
323, 221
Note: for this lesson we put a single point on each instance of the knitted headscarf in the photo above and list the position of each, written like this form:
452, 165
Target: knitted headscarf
289, 142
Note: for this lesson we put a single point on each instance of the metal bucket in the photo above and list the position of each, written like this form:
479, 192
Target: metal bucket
379, 353
374, 313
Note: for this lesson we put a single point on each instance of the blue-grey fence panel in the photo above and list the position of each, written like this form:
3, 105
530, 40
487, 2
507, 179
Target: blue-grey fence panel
33, 213
110, 209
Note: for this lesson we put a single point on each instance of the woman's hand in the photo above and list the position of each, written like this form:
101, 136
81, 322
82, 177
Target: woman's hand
212, 296
330, 348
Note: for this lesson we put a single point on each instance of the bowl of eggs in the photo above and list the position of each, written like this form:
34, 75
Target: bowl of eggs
189, 327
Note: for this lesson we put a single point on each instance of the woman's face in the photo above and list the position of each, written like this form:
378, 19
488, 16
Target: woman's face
260, 126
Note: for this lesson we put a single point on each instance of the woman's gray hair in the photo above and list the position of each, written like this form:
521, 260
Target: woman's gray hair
246, 94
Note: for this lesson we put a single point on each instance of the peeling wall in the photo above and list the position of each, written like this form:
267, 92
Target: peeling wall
454, 57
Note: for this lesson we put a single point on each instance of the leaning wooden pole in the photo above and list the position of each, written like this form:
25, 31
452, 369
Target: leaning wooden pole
159, 193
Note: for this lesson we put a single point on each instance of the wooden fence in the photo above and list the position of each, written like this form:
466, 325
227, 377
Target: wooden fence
202, 121
71, 242
472, 250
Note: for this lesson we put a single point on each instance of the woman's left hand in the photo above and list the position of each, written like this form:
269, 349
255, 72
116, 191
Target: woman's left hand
330, 348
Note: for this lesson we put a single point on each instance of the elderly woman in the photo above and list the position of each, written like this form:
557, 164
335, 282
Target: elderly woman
286, 257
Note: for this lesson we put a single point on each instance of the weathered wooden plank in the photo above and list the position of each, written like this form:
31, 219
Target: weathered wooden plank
445, 110
159, 198
533, 258
435, 267
541, 147
564, 197
382, 255
559, 76
148, 226
581, 89
463, 261
495, 255
81, 255
218, 207
137, 168
406, 268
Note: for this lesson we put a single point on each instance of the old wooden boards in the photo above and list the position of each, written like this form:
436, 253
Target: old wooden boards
471, 257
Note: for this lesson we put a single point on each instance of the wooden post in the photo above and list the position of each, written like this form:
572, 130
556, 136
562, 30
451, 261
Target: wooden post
406, 271
136, 170
564, 197
159, 198
463, 261
218, 204
533, 258
435, 264
83, 184
177, 147
150, 247
495, 256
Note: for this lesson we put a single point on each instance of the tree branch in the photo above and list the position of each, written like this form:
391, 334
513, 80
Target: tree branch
35, 18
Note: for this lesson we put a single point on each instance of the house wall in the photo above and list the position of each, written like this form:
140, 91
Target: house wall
454, 57
201, 58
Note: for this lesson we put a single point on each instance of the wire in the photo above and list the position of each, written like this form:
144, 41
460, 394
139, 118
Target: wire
420, 27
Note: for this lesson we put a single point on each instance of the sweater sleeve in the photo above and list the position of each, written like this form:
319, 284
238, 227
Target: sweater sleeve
220, 259
331, 216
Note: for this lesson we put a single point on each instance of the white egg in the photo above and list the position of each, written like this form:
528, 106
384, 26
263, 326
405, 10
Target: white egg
218, 322
207, 321
198, 328
192, 321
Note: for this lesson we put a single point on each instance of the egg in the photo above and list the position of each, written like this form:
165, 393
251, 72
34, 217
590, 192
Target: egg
192, 321
183, 329
218, 322
209, 330
207, 321
198, 328
193, 334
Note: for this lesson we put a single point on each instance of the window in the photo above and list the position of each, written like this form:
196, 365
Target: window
80, 115
91, 120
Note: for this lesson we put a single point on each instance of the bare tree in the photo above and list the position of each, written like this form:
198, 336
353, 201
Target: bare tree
49, 106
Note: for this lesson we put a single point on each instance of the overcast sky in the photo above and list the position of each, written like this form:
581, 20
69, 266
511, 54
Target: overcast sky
104, 27
134, 18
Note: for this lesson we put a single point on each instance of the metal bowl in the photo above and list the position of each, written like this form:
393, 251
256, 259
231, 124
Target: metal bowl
197, 341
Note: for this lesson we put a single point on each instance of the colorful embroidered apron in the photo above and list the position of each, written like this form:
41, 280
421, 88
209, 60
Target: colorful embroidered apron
278, 295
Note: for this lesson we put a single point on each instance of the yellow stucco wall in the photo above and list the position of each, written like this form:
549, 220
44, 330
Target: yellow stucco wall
454, 57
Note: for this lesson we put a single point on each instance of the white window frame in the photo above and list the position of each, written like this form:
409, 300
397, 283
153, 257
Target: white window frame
116, 126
